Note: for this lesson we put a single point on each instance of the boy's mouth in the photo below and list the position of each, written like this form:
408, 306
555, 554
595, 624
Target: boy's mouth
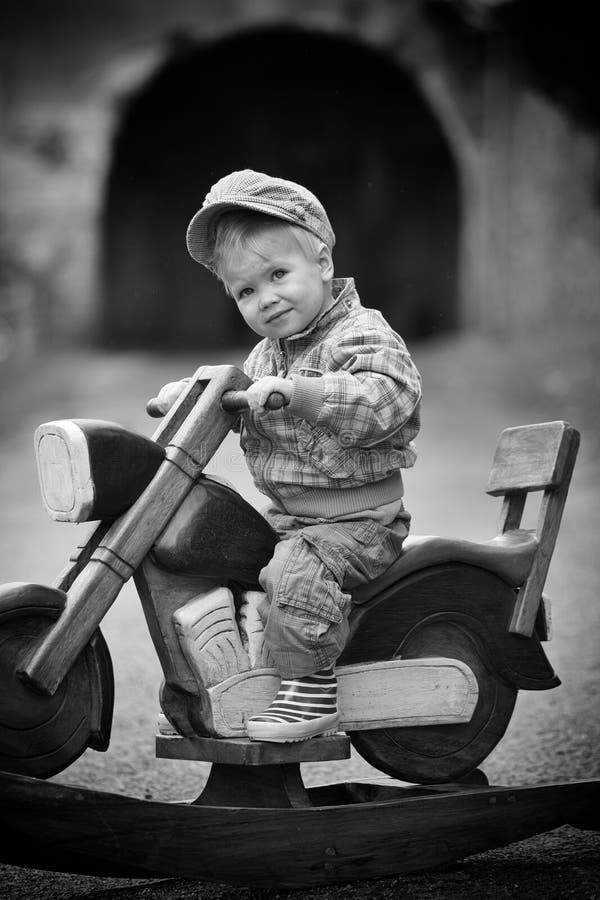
277, 315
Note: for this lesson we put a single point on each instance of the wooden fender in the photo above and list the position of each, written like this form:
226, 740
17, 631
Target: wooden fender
42, 735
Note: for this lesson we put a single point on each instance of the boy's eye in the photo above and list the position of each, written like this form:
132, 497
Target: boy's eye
278, 273
245, 292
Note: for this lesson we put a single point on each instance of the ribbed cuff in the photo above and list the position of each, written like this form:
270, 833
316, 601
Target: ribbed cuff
307, 398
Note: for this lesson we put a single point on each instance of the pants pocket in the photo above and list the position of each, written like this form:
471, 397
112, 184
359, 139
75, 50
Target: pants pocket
298, 579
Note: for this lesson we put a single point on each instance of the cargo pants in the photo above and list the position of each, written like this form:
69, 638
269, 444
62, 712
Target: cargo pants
308, 584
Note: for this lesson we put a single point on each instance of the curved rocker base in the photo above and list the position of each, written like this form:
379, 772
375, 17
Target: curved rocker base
352, 831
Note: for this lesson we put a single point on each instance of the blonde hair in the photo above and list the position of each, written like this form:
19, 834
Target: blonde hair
244, 230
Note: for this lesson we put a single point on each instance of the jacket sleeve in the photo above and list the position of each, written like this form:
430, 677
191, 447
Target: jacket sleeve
373, 394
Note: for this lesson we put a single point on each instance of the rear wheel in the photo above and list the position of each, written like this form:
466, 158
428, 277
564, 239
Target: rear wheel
440, 753
438, 613
41, 735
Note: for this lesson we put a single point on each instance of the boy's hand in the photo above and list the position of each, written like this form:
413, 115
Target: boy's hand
259, 392
169, 393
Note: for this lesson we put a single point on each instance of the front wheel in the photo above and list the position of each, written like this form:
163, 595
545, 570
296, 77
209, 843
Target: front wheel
42, 735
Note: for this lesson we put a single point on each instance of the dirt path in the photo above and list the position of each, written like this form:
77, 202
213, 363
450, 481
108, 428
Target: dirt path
553, 735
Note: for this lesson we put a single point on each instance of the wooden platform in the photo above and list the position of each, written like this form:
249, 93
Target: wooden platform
243, 752
253, 774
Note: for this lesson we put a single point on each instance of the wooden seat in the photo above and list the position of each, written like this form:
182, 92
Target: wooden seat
509, 556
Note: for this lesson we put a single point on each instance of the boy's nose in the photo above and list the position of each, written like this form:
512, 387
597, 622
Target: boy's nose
267, 298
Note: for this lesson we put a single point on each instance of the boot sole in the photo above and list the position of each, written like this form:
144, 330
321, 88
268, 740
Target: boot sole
266, 731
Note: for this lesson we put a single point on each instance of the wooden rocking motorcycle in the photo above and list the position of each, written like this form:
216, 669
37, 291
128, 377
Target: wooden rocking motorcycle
439, 646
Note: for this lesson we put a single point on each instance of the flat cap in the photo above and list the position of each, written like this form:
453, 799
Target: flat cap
261, 193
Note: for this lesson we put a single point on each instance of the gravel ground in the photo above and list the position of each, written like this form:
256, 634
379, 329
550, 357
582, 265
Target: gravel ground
473, 389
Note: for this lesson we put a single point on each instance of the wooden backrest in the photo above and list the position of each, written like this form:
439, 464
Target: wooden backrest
530, 458
533, 458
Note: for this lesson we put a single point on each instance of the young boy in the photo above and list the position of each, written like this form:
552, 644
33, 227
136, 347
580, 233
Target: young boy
330, 460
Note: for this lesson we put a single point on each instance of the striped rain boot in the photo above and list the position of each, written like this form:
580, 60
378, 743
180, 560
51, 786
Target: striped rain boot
303, 708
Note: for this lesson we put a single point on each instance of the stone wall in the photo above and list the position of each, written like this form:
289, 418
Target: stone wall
513, 194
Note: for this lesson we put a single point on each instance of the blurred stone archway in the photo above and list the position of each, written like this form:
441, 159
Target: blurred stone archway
320, 109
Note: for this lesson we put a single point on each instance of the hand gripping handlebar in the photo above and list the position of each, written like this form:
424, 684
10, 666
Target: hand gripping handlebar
231, 401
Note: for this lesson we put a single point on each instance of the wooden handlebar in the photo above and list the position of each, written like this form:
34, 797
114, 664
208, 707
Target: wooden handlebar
236, 401
231, 401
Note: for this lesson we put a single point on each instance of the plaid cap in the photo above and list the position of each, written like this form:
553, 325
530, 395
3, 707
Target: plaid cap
262, 193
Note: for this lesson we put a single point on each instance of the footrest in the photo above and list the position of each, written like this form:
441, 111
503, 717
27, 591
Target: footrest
243, 752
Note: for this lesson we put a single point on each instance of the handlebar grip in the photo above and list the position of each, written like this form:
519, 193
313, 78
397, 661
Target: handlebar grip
154, 409
231, 401
236, 401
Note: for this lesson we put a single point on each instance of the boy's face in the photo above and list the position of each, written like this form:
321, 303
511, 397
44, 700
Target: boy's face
280, 291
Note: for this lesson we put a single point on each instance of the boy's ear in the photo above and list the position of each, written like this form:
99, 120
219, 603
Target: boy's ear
325, 263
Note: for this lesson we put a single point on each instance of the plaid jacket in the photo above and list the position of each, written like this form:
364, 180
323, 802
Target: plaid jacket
339, 445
